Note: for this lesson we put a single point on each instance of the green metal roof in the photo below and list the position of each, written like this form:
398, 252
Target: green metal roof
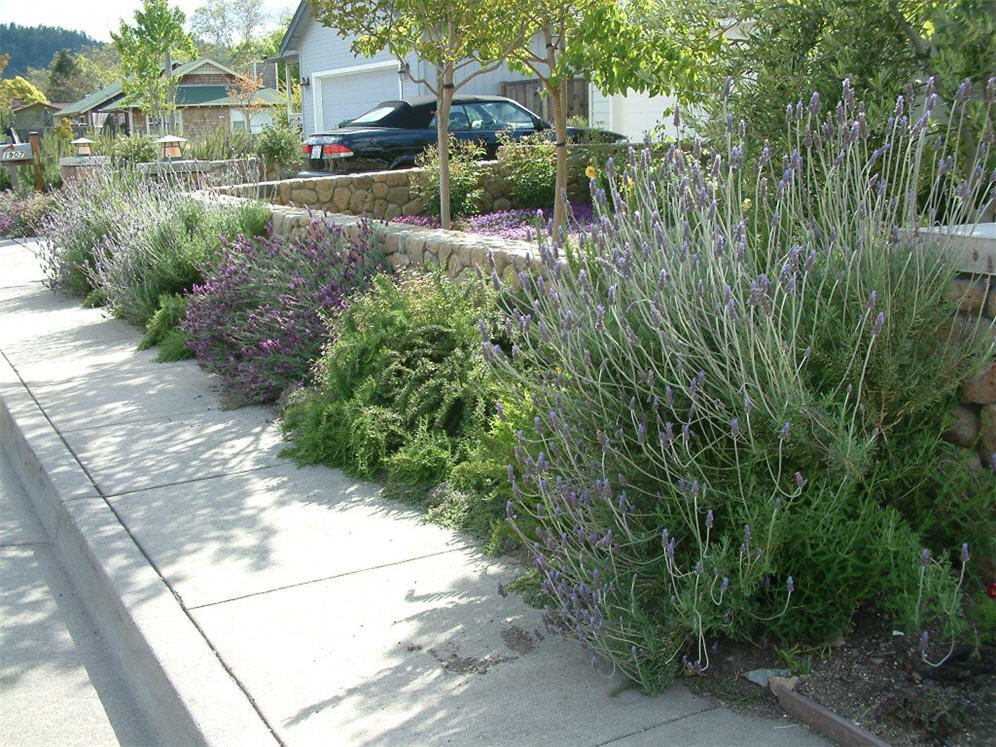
194, 95
95, 99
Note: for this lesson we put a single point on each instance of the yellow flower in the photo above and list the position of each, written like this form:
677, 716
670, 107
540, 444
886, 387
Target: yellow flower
746, 205
590, 172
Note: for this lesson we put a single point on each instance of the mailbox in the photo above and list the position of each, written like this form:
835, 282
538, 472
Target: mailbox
15, 153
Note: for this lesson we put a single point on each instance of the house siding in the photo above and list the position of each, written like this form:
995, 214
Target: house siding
198, 121
322, 50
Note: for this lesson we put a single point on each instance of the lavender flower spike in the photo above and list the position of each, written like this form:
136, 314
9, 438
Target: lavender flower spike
790, 585
924, 555
879, 322
964, 553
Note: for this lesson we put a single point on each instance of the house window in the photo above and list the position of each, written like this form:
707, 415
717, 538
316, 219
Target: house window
260, 121
161, 125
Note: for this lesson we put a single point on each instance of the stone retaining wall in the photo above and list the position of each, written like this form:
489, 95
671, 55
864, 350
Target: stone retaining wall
974, 427
462, 254
389, 194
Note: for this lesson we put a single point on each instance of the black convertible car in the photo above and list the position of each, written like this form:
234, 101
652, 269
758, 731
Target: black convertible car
390, 135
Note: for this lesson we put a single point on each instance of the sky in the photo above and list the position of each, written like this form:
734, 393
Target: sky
97, 17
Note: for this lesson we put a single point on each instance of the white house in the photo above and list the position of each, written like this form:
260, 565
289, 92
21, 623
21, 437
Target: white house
337, 85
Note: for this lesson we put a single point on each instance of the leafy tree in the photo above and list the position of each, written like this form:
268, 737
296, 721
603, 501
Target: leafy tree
65, 78
4, 59
655, 46
20, 91
16, 91
147, 49
788, 50
461, 39
244, 90
230, 30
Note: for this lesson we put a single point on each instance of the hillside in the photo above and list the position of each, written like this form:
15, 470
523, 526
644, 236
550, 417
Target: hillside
34, 46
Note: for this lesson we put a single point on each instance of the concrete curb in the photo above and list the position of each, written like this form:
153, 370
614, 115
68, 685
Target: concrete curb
184, 689
820, 719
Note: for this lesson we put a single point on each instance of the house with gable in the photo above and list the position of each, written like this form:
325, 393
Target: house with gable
337, 86
203, 104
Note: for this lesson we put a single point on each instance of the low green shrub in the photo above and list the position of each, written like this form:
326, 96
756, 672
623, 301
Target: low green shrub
280, 149
403, 390
465, 189
163, 329
530, 163
220, 144
133, 149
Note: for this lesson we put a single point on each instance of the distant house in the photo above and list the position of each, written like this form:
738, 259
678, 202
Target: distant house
203, 104
337, 85
86, 113
34, 117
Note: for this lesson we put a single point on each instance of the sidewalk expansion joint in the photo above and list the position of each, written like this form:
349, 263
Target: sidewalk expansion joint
192, 480
656, 726
333, 577
148, 559
10, 545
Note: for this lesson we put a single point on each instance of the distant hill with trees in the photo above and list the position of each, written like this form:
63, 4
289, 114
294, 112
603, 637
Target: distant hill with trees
34, 46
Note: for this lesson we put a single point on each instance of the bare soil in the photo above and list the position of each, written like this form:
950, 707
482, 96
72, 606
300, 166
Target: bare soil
873, 677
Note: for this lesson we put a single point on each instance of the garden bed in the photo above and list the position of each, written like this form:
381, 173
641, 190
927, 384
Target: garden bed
515, 225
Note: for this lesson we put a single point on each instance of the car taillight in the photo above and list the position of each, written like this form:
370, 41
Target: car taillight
336, 150
306, 149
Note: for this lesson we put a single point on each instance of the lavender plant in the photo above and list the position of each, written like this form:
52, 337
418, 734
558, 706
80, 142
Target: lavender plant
715, 372
135, 239
257, 321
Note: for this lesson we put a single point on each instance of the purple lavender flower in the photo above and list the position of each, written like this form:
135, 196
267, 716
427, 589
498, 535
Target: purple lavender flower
964, 553
924, 556
790, 585
879, 321
783, 434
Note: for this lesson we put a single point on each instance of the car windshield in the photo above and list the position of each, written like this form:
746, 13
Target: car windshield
487, 115
374, 115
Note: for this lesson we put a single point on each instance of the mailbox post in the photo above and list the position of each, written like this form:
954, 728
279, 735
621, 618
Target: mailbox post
13, 155
35, 142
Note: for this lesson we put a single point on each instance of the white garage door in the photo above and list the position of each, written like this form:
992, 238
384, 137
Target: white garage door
347, 96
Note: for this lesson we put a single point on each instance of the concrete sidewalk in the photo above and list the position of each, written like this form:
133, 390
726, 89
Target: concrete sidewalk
253, 602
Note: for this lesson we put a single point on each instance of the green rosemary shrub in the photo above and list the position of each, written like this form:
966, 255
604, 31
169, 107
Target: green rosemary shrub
402, 390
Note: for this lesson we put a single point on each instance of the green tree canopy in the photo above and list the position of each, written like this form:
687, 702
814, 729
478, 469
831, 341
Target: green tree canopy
654, 46
145, 48
461, 39
785, 51
20, 92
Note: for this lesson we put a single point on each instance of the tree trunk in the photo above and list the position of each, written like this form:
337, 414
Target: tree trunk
445, 100
557, 97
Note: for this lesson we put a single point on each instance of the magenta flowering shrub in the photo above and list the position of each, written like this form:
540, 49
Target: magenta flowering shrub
21, 215
258, 320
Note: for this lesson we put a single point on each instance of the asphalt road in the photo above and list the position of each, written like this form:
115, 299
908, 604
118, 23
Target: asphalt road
57, 681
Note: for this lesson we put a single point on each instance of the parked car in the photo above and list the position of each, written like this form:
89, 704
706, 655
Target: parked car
393, 133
